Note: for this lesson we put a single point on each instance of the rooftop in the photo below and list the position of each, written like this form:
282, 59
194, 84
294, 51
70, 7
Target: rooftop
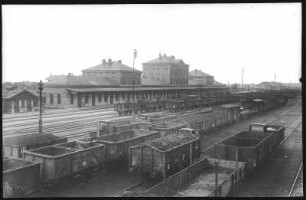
165, 59
111, 66
171, 141
14, 93
79, 80
199, 73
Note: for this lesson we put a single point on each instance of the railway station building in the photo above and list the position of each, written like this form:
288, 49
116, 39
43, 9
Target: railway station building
165, 70
198, 77
17, 101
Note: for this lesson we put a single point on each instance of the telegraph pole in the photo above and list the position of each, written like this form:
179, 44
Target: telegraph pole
40, 89
133, 107
242, 80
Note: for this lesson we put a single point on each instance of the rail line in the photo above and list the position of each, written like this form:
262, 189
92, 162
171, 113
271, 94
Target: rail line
296, 177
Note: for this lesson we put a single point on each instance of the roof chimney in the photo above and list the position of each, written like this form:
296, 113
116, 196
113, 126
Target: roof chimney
165, 55
109, 61
172, 57
119, 61
103, 61
159, 56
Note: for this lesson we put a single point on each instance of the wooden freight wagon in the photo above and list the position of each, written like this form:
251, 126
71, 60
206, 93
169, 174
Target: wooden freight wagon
167, 128
231, 111
156, 117
165, 156
108, 126
251, 146
14, 146
66, 159
117, 144
20, 177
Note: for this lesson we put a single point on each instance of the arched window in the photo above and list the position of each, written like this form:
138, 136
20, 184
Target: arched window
58, 99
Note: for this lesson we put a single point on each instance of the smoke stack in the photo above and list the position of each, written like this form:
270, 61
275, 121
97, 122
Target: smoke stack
109, 61
103, 61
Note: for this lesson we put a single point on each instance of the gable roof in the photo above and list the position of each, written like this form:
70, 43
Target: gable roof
111, 66
80, 80
198, 73
14, 93
166, 59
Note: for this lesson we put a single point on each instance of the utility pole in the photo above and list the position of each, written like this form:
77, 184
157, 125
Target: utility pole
40, 89
133, 107
242, 80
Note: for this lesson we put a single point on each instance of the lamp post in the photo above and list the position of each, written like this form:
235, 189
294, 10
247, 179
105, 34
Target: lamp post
40, 88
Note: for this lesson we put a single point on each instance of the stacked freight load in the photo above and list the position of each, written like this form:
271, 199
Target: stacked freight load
15, 146
59, 161
165, 156
20, 177
117, 144
251, 146
121, 124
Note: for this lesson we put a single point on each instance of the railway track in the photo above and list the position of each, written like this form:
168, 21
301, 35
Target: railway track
294, 185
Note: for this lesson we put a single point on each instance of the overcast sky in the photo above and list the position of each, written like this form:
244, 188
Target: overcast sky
219, 39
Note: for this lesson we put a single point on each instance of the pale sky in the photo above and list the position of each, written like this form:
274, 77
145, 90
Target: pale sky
219, 39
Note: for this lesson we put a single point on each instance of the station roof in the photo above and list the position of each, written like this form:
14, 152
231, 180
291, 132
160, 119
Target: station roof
171, 141
14, 93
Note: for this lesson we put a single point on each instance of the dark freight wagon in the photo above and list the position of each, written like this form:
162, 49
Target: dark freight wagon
14, 146
66, 159
165, 156
251, 146
20, 177
117, 144
167, 128
108, 126
231, 111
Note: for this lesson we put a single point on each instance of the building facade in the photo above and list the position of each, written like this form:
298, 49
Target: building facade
18, 101
165, 70
116, 71
197, 77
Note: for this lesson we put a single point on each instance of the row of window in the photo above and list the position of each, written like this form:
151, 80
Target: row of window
58, 99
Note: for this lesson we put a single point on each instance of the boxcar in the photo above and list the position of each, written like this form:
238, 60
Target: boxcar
120, 124
165, 156
231, 111
167, 128
251, 146
117, 144
66, 159
20, 177
14, 146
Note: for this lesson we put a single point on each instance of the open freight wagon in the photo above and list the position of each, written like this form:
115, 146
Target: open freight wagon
251, 146
20, 177
15, 146
165, 156
155, 118
108, 126
65, 159
205, 178
117, 144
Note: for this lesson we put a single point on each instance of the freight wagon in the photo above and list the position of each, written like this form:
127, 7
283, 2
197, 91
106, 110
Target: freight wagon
251, 146
167, 128
117, 144
108, 126
205, 178
20, 177
165, 156
15, 146
66, 159
155, 118
231, 111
